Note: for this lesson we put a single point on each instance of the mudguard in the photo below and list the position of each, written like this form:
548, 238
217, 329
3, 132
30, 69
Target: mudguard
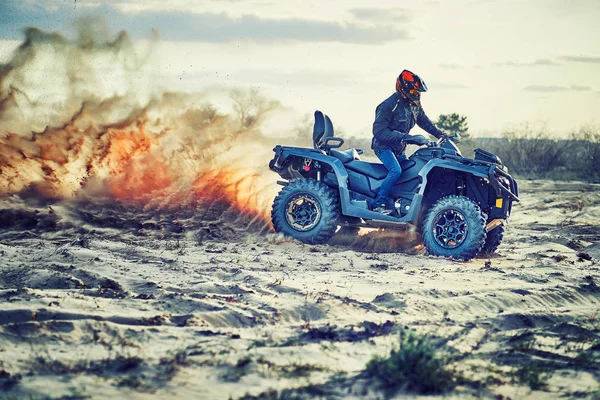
484, 171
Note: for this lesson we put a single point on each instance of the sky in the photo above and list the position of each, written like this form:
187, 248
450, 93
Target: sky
501, 63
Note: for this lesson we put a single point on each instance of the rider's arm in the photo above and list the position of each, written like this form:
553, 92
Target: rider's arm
383, 119
425, 123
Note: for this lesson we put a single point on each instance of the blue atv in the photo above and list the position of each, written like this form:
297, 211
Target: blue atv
459, 205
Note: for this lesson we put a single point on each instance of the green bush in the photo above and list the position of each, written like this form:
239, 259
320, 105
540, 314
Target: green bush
414, 366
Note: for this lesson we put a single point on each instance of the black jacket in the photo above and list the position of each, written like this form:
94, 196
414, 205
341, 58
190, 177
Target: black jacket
394, 118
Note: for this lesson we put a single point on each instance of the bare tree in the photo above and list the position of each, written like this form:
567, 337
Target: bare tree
250, 106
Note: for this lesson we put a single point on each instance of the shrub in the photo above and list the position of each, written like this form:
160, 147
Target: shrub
533, 376
586, 152
533, 153
414, 366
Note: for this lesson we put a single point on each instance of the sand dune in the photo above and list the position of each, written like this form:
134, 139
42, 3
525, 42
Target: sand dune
99, 302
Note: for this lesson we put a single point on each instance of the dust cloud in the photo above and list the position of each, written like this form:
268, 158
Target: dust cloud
82, 123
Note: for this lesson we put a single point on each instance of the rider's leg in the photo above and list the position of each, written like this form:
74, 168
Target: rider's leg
390, 161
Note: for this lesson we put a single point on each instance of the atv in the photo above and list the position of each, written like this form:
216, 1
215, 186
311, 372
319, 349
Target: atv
459, 205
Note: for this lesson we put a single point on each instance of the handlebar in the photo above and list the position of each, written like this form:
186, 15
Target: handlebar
443, 139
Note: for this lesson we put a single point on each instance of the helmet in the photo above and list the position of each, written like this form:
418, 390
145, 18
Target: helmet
410, 85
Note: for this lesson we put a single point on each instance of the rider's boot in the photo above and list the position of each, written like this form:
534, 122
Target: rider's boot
382, 209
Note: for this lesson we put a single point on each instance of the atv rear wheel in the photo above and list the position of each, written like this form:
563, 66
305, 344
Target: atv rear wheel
454, 227
492, 241
306, 210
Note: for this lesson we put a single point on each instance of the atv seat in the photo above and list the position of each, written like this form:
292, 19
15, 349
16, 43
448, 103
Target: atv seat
374, 170
345, 156
323, 139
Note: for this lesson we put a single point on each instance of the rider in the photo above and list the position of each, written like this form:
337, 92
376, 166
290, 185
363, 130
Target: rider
394, 118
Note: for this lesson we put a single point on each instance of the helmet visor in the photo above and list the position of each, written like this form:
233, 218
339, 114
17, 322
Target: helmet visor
420, 84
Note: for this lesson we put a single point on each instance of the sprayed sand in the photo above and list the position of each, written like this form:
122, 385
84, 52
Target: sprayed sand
212, 311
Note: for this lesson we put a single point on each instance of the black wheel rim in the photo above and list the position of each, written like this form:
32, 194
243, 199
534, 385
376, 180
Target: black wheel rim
303, 212
450, 229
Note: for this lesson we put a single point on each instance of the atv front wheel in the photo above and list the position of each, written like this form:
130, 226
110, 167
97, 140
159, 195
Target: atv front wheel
306, 210
454, 227
492, 241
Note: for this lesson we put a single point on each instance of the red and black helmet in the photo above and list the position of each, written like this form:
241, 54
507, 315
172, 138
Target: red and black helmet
410, 85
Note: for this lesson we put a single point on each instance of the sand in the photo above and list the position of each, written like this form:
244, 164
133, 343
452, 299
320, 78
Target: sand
147, 306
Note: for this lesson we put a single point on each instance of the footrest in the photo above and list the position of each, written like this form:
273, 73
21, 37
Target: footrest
360, 203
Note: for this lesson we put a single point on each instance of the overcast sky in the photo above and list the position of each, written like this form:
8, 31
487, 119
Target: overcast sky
499, 62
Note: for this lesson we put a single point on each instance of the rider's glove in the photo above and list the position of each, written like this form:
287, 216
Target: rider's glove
419, 140
398, 136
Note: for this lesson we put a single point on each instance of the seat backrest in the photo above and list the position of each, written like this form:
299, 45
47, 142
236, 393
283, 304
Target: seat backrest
323, 131
318, 129
328, 129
